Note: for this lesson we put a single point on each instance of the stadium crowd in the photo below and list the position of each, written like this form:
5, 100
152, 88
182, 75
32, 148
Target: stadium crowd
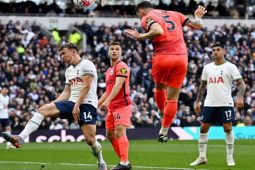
33, 70
45, 9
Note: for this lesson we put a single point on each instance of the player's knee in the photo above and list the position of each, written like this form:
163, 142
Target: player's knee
110, 135
45, 110
227, 128
119, 133
203, 129
90, 140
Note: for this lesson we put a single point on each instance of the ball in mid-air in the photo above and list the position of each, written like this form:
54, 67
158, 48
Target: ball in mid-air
82, 3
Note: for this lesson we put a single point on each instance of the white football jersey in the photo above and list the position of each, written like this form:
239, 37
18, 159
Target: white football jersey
74, 75
4, 101
219, 80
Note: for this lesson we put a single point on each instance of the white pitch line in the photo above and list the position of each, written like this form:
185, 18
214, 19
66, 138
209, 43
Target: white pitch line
139, 167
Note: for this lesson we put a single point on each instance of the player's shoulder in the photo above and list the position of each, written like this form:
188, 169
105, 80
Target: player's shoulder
229, 64
208, 65
85, 61
122, 64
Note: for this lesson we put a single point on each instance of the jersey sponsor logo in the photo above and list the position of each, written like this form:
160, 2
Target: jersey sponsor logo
88, 71
123, 71
111, 73
75, 81
216, 80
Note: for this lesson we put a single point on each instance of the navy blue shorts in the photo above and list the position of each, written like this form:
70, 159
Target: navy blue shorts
224, 114
5, 122
88, 112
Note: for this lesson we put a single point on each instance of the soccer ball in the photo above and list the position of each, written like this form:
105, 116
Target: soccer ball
82, 3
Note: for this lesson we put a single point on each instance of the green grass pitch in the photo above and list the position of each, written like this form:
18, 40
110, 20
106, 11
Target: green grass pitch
143, 154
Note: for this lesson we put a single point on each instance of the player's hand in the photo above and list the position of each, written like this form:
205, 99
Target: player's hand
76, 113
200, 11
5, 106
197, 108
105, 105
239, 103
134, 33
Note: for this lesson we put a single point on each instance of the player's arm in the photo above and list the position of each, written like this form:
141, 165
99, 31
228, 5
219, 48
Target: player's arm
115, 90
64, 96
155, 30
87, 80
102, 99
241, 91
200, 95
197, 23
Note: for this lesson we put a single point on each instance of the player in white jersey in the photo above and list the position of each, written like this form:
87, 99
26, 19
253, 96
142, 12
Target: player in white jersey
218, 76
78, 100
4, 116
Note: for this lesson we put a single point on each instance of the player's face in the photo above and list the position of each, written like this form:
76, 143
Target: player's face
4, 91
114, 52
67, 55
139, 14
218, 52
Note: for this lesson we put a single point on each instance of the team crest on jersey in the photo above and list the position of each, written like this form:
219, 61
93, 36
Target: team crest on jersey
123, 71
111, 73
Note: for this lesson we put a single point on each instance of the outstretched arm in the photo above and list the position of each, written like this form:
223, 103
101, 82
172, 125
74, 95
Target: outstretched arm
200, 94
155, 31
197, 23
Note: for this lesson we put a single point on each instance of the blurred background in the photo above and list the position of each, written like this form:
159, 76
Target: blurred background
32, 31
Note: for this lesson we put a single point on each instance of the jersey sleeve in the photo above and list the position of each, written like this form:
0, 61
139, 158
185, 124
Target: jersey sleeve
67, 82
182, 17
122, 70
204, 77
89, 69
147, 22
235, 73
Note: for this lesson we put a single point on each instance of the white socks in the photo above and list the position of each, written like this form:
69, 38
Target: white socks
32, 125
164, 130
229, 138
124, 163
202, 144
8, 143
96, 150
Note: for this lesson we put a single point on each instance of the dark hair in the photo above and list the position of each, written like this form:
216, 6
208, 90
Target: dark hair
218, 45
143, 5
69, 46
115, 43
5, 86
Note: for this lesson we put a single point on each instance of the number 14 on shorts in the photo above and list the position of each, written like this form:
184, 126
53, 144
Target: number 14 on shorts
87, 115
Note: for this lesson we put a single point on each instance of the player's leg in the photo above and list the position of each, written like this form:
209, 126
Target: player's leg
160, 76
160, 97
208, 117
110, 132
89, 132
49, 110
170, 111
88, 125
8, 131
177, 68
227, 115
121, 122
